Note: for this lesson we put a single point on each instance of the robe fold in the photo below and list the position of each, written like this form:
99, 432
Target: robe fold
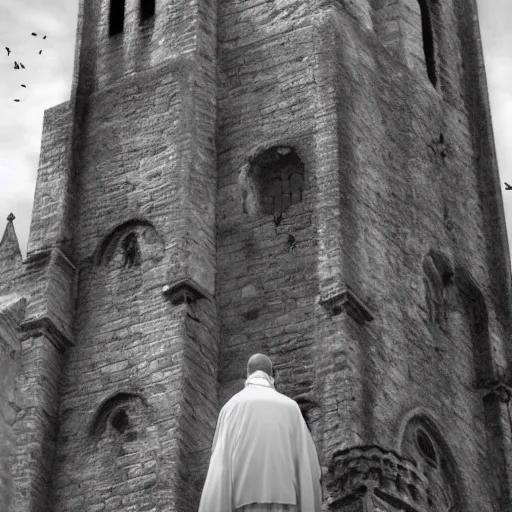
262, 452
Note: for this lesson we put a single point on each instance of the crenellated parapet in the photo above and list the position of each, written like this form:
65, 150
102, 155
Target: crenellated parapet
371, 474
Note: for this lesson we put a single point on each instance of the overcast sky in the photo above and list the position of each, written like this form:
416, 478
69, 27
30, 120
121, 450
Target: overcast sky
48, 82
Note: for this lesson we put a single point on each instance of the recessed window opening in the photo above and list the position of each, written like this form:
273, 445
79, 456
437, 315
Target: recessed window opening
426, 447
120, 420
428, 41
116, 21
147, 10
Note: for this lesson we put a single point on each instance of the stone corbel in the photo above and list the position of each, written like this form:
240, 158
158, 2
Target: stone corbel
185, 290
370, 473
336, 299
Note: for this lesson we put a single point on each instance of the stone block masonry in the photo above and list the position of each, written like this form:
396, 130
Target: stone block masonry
312, 180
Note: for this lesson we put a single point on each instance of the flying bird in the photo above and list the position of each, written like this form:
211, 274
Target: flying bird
16, 65
23, 85
34, 34
8, 51
507, 186
44, 37
16, 100
22, 65
40, 51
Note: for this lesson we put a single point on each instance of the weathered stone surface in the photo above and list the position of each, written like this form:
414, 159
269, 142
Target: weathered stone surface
314, 180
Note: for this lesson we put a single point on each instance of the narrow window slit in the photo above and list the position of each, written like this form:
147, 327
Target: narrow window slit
147, 10
116, 20
428, 41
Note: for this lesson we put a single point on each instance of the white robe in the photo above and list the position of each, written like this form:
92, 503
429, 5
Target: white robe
262, 452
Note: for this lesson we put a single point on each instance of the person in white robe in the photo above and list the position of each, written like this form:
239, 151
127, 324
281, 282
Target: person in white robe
263, 456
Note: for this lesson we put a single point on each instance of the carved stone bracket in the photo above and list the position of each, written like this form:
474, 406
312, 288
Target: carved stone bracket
185, 290
498, 388
392, 479
335, 299
44, 326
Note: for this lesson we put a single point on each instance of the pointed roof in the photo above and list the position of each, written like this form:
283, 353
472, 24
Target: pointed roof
9, 246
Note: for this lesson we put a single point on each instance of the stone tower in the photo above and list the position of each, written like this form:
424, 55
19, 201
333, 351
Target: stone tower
313, 180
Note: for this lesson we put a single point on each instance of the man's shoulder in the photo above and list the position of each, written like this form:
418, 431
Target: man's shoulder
271, 393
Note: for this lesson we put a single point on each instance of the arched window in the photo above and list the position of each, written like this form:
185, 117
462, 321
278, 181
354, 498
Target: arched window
438, 286
275, 182
118, 414
473, 304
116, 20
428, 41
129, 244
147, 10
422, 442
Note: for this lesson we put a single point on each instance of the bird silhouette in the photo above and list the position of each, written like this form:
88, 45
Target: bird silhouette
34, 34
44, 37
22, 65
16, 100
8, 51
16, 65
40, 51
507, 186
23, 85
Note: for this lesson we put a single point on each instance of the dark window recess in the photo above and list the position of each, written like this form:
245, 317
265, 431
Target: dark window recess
147, 10
116, 17
120, 420
426, 447
428, 41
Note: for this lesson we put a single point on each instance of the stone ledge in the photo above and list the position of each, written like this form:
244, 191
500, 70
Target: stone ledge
336, 299
44, 255
44, 326
185, 290
392, 478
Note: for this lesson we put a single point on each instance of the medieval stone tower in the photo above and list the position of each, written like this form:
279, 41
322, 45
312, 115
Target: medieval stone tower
314, 180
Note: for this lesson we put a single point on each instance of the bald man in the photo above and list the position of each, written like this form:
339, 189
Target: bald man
263, 456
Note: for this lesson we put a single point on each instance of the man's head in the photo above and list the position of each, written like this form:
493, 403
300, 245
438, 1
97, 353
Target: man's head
259, 362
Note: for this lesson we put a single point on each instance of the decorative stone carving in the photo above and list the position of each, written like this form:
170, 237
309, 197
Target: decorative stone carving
498, 388
375, 474
335, 299
129, 244
131, 249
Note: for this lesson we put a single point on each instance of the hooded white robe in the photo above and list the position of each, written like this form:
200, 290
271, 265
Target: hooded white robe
262, 452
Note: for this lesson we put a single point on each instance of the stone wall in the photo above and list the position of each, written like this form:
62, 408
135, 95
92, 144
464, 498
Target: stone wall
288, 180
11, 313
53, 180
136, 232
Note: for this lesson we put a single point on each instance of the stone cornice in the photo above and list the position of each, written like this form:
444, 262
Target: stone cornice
46, 254
185, 290
335, 299
44, 326
371, 469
